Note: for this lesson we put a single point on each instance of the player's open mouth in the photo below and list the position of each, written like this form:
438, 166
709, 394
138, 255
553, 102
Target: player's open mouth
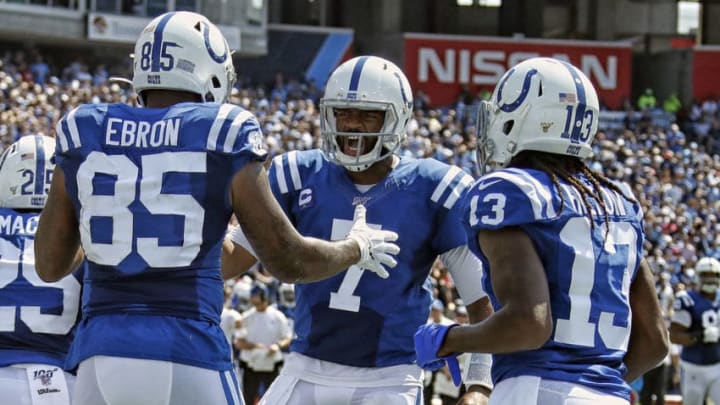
352, 145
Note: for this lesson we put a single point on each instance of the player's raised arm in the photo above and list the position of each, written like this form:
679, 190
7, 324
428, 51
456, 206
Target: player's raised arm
291, 257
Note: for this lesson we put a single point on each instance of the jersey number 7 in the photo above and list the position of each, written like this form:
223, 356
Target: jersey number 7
344, 299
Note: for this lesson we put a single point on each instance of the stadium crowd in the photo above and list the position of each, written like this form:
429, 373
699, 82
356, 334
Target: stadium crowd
672, 165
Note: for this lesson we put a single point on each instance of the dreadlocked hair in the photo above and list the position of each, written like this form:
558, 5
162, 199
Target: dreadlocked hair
566, 168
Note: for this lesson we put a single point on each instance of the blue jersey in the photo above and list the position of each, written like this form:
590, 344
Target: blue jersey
702, 313
151, 192
37, 319
356, 318
589, 273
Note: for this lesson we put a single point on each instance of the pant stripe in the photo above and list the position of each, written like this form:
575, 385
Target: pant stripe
226, 389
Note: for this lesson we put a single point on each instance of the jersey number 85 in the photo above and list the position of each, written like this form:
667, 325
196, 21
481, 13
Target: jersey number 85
151, 196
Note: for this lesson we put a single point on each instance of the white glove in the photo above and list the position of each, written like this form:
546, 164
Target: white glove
711, 334
375, 249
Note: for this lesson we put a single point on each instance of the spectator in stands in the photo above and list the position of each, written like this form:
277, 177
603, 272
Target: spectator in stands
646, 100
39, 69
672, 104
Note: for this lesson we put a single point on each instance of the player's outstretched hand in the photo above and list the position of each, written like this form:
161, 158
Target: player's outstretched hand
428, 339
376, 248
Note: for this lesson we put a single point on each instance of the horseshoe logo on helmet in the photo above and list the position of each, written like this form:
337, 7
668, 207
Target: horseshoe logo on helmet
206, 36
510, 107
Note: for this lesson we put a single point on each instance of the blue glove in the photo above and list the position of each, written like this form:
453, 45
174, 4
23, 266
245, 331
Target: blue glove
428, 339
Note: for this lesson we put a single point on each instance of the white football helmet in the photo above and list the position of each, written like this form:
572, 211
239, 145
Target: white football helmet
707, 270
540, 104
183, 51
286, 293
366, 83
26, 172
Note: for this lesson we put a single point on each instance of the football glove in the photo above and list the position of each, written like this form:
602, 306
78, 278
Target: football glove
428, 339
375, 247
711, 334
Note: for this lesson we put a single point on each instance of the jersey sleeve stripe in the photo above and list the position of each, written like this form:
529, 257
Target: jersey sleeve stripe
294, 171
627, 189
61, 136
444, 183
217, 124
280, 173
72, 126
527, 187
234, 130
462, 185
545, 195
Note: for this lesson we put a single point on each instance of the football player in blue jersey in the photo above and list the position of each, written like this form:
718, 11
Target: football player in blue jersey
37, 319
576, 314
146, 194
696, 326
354, 331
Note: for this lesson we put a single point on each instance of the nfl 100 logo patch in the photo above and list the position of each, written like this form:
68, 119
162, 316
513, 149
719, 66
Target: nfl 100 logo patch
45, 376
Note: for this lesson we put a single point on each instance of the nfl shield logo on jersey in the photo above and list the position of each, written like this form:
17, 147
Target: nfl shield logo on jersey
360, 200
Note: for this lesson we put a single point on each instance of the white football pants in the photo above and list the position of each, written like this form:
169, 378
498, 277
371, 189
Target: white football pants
304, 380
105, 380
530, 390
699, 382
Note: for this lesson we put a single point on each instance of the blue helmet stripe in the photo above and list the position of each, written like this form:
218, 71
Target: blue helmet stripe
355, 78
581, 103
3, 157
39, 165
402, 89
157, 41
578, 82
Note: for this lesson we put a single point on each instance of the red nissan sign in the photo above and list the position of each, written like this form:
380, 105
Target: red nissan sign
706, 65
442, 65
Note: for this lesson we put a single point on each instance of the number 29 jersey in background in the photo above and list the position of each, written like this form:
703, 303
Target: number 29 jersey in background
37, 319
151, 193
589, 273
356, 318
